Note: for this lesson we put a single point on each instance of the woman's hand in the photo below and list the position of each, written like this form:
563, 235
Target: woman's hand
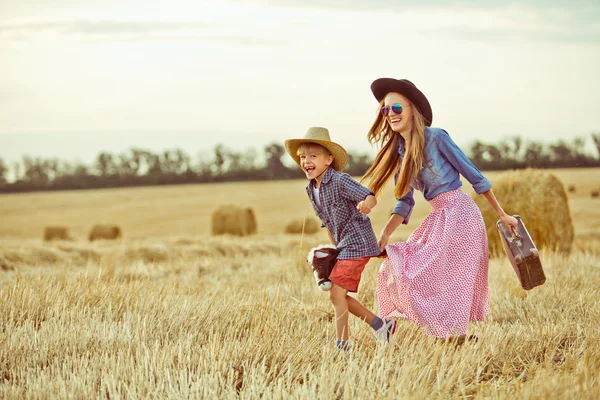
395, 221
510, 223
383, 241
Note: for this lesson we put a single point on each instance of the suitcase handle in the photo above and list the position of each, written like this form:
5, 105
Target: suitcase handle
516, 235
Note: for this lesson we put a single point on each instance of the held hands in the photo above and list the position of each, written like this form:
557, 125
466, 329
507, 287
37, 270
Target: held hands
367, 204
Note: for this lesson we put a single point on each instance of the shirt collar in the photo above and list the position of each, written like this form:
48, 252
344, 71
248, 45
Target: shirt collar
401, 149
326, 177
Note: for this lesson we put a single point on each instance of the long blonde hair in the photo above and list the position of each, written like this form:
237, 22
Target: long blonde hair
387, 163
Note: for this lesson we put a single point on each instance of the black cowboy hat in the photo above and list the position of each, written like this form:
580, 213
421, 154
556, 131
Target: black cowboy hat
382, 86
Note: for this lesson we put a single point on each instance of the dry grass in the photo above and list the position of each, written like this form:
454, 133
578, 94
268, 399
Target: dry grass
187, 315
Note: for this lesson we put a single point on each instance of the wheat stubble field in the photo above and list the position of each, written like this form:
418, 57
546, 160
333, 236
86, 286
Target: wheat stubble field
171, 312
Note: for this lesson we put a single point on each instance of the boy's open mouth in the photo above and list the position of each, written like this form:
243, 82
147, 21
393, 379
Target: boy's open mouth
309, 169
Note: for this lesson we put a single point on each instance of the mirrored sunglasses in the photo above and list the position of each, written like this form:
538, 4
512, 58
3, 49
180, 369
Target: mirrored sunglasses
396, 108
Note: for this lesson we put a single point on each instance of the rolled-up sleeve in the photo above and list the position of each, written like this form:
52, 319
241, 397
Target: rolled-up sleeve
461, 162
353, 190
405, 205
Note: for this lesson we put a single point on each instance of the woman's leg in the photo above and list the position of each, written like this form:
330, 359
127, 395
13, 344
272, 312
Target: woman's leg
337, 295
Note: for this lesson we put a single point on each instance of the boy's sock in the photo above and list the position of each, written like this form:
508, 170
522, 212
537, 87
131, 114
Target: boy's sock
377, 323
341, 344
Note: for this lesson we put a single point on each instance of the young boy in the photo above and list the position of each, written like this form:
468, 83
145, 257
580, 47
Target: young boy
341, 203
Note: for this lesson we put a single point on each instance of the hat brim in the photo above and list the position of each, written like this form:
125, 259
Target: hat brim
340, 156
382, 86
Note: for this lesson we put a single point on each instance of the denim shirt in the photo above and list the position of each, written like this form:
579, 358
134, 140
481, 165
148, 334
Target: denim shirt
351, 231
445, 162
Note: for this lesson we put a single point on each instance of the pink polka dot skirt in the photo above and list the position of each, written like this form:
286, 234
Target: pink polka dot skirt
438, 278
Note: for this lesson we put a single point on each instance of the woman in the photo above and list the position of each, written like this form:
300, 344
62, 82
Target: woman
438, 278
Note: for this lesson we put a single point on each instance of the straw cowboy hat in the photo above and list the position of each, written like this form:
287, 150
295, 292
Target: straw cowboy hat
320, 136
382, 86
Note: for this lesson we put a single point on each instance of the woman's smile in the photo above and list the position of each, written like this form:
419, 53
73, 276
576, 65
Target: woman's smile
395, 121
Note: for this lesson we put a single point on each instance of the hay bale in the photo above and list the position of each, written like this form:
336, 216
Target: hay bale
5, 265
251, 220
233, 220
296, 226
104, 231
571, 189
541, 201
56, 233
595, 194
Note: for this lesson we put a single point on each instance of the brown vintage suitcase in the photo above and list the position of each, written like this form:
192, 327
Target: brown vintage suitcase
523, 255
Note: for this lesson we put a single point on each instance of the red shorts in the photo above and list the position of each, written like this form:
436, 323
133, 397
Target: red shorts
346, 273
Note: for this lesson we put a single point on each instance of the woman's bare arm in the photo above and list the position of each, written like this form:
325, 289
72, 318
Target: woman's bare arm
393, 223
508, 221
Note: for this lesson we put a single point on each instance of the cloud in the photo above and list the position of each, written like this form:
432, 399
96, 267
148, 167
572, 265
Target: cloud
400, 5
555, 20
127, 30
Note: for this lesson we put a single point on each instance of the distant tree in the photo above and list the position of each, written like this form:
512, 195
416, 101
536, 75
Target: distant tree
204, 168
561, 154
235, 168
105, 164
53, 170
358, 164
496, 156
517, 142
275, 167
534, 156
35, 171
249, 160
17, 171
220, 154
478, 154
129, 163
175, 162
81, 171
154, 166
137, 166
578, 152
511, 151
3, 172
596, 140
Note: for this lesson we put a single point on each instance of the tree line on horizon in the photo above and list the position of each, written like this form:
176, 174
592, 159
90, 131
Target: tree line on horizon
139, 167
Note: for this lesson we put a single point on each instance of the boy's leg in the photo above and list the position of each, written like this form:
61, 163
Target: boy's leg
337, 295
359, 310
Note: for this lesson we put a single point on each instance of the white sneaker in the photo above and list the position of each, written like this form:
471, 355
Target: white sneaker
384, 334
345, 350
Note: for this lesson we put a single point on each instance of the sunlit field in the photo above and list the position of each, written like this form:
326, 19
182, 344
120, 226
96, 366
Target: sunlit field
169, 311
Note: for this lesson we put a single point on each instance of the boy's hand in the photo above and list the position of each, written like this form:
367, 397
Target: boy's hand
367, 204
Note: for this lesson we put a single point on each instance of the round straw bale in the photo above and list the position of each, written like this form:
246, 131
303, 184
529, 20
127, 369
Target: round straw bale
299, 225
104, 231
251, 221
540, 199
56, 233
595, 194
5, 265
233, 220
571, 189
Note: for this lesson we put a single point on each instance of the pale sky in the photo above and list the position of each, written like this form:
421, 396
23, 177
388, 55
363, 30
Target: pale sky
78, 77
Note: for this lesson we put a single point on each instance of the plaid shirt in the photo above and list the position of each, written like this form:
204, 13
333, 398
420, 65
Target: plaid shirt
351, 231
